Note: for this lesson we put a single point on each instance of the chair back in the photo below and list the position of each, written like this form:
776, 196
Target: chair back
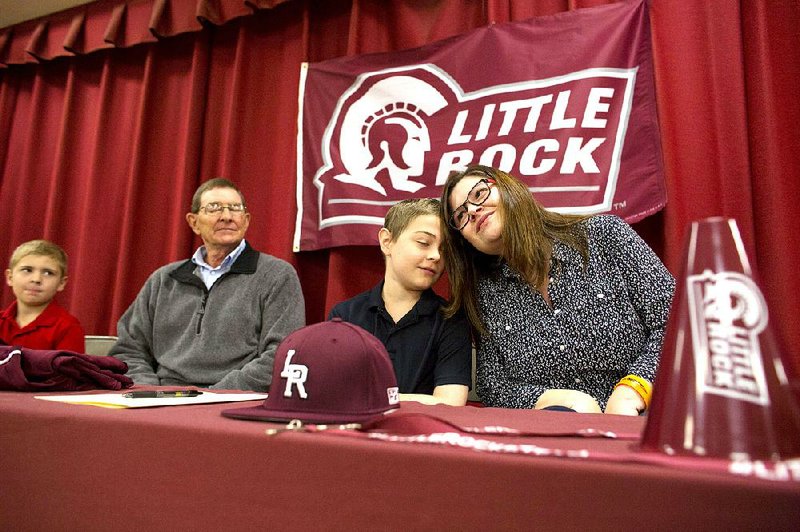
99, 345
473, 395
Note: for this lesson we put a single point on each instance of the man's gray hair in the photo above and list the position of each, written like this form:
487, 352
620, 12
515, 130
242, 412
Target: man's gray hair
217, 182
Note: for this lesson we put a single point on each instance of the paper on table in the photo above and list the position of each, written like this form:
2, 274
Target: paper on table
116, 400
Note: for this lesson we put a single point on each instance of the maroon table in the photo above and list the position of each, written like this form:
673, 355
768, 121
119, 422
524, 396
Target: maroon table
75, 467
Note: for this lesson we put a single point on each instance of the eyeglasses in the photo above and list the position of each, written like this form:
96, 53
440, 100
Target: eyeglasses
215, 207
477, 195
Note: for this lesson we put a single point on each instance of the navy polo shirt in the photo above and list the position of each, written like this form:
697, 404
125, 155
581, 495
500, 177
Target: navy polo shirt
426, 349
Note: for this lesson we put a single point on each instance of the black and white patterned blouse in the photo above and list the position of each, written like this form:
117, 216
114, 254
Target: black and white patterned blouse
606, 322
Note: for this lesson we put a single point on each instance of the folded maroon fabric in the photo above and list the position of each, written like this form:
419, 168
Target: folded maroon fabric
39, 370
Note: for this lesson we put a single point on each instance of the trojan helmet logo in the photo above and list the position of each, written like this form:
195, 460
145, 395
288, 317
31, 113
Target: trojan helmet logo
380, 143
385, 130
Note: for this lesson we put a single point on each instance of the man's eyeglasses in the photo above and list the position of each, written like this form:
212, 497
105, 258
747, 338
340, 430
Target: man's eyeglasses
478, 195
215, 207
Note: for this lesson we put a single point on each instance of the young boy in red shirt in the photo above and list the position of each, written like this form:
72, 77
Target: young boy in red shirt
36, 272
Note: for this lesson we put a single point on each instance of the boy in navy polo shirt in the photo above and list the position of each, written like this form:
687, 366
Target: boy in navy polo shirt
431, 355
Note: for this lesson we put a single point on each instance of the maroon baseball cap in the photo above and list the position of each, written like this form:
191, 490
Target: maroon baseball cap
329, 372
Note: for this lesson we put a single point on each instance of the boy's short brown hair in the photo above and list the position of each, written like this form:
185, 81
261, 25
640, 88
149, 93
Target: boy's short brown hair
401, 214
40, 247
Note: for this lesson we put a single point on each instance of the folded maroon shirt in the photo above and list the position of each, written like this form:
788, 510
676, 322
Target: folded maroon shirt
40, 370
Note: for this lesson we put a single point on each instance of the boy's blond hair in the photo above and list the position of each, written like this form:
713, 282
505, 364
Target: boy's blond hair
401, 214
40, 247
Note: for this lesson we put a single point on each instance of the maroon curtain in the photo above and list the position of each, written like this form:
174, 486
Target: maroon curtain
111, 114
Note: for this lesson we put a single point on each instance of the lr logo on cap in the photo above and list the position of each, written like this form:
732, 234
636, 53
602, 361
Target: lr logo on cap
294, 374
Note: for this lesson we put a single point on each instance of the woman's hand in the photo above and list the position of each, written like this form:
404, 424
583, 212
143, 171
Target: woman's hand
625, 401
577, 401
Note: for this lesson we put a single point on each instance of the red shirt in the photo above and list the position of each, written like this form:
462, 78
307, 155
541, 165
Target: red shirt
54, 328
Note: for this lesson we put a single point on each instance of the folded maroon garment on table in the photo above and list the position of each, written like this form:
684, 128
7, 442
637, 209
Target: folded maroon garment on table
39, 370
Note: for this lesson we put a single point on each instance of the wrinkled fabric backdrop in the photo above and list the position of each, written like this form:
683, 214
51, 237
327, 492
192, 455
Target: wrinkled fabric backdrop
111, 114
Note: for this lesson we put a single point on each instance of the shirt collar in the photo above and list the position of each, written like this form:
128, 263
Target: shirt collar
428, 302
48, 316
199, 257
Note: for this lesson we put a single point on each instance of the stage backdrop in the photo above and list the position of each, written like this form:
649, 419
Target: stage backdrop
569, 108
112, 113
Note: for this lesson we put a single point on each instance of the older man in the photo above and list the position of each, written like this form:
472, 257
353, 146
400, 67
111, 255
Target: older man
216, 319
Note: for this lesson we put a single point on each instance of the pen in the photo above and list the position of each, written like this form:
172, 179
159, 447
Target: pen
159, 394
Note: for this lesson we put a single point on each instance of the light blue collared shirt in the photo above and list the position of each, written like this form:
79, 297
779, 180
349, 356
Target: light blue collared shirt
210, 275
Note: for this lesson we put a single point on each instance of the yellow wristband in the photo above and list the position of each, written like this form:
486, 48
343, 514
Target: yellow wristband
642, 389
639, 385
635, 387
643, 383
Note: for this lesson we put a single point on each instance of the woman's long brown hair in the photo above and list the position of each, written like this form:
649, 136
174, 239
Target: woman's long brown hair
528, 234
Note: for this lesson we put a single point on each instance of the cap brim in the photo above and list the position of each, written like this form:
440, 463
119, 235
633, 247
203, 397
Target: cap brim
259, 413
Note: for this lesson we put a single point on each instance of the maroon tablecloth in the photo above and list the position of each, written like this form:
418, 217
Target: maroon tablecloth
75, 467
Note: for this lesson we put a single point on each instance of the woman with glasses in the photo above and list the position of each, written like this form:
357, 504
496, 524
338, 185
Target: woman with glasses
568, 311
